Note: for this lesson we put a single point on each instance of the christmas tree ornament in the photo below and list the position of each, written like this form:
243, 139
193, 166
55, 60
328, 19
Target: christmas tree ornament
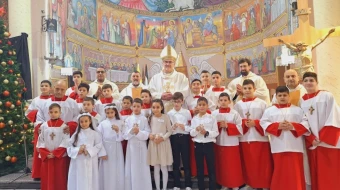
24, 89
1, 52
6, 34
1, 141
18, 75
31, 124
25, 126
10, 53
2, 125
10, 62
12, 106
8, 104
0, 103
0, 110
0, 41
9, 42
5, 93
14, 130
10, 122
3, 63
5, 26
1, 118
14, 159
8, 158
16, 82
5, 81
10, 71
14, 53
18, 103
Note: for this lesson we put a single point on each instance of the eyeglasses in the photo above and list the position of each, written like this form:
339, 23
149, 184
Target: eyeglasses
100, 72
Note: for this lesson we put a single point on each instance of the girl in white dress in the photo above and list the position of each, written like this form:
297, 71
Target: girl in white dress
83, 150
111, 166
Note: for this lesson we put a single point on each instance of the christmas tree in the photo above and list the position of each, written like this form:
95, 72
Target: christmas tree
14, 127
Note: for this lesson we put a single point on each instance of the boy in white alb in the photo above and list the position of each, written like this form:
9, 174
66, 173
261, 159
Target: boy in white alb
204, 130
253, 143
108, 99
193, 95
206, 80
214, 92
323, 115
73, 92
31, 114
83, 90
124, 114
180, 139
88, 106
286, 123
227, 151
137, 130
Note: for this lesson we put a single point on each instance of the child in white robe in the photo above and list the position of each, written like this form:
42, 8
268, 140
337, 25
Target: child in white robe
137, 170
111, 166
83, 150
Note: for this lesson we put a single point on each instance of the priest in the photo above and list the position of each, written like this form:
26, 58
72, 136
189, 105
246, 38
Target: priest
164, 84
235, 86
323, 114
296, 90
134, 88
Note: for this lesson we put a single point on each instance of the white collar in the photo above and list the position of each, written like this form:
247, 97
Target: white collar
104, 82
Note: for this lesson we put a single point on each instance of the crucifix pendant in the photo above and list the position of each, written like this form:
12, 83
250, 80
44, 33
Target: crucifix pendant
248, 114
52, 135
311, 109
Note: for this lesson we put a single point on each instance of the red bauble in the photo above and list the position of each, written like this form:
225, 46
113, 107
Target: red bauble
10, 71
18, 103
10, 53
9, 42
25, 126
8, 104
24, 89
14, 159
5, 93
2, 125
14, 130
10, 62
0, 41
19, 95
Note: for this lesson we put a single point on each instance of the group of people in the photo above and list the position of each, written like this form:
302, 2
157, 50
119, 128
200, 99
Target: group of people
93, 137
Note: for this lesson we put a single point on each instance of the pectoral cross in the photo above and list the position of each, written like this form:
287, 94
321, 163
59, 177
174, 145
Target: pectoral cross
311, 109
248, 114
305, 33
52, 135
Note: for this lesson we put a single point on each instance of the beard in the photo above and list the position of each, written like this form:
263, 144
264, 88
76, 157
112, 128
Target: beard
244, 73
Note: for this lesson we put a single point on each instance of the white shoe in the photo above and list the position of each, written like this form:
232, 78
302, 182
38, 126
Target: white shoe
176, 188
188, 188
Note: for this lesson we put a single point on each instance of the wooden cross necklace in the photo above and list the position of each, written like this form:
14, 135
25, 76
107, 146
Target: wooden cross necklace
311, 108
248, 109
52, 135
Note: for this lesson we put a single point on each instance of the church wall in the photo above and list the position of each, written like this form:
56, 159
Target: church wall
100, 33
326, 15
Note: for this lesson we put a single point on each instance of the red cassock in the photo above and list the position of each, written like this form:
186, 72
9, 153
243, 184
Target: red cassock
54, 171
257, 162
288, 166
36, 165
228, 161
124, 142
325, 162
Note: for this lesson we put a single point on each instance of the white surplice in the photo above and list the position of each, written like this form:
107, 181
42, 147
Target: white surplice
60, 139
69, 110
256, 109
137, 170
213, 96
286, 142
83, 171
174, 82
261, 91
326, 113
223, 139
111, 171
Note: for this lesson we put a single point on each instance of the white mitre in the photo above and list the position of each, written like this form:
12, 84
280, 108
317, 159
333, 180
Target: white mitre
168, 53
